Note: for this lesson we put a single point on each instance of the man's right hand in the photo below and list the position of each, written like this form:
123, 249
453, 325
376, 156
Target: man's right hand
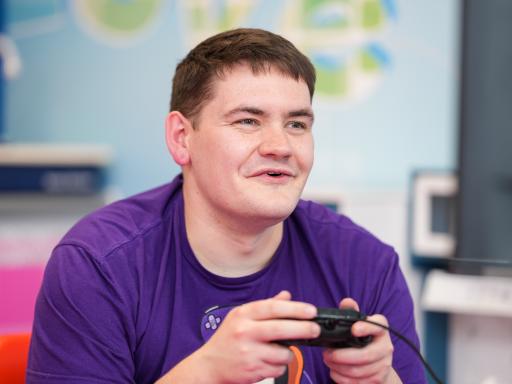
242, 348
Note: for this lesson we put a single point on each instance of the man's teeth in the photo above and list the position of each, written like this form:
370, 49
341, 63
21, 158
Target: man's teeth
274, 173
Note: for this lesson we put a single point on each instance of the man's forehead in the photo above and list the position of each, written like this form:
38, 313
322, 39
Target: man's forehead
238, 70
226, 93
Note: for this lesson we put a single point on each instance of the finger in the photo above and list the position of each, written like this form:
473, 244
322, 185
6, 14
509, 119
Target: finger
283, 295
359, 371
349, 303
275, 358
274, 330
268, 371
378, 349
362, 328
379, 376
275, 354
276, 309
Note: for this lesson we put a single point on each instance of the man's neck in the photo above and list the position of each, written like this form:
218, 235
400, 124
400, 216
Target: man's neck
230, 249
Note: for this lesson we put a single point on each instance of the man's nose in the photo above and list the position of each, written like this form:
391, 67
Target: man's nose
275, 142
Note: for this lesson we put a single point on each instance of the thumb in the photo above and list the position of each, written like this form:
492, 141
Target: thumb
349, 303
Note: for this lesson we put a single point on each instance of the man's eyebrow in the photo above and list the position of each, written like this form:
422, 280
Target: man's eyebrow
246, 109
305, 112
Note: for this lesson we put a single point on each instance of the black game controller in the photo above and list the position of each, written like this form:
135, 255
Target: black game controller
336, 331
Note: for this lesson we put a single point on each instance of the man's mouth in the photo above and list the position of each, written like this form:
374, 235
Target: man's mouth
276, 173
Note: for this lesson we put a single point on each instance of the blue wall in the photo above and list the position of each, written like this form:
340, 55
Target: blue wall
76, 87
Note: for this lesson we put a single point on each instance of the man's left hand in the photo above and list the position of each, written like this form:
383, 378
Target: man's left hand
370, 364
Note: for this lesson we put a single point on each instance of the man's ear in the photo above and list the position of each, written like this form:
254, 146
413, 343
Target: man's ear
177, 128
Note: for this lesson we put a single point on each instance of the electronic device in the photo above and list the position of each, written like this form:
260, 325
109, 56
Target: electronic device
484, 219
335, 325
432, 218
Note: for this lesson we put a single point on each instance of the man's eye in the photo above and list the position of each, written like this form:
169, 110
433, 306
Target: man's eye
297, 125
247, 122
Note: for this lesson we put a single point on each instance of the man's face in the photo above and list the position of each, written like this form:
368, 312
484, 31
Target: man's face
252, 148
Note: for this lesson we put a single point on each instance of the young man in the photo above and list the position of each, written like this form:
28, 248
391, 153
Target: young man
195, 281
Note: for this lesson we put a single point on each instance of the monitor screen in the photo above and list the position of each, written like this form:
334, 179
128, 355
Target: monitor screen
484, 209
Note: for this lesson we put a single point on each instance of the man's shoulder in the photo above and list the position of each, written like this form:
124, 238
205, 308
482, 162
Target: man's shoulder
125, 220
328, 226
322, 217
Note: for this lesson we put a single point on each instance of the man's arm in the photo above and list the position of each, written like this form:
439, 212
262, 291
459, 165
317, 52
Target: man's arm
387, 294
82, 328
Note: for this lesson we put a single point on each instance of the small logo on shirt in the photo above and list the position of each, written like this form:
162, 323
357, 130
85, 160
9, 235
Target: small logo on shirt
213, 322
212, 319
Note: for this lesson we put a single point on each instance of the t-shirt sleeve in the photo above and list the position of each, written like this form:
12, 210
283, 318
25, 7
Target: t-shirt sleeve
395, 302
82, 329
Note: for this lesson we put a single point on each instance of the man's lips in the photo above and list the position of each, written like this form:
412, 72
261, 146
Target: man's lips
275, 172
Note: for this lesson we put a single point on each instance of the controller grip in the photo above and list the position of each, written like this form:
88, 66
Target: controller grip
336, 330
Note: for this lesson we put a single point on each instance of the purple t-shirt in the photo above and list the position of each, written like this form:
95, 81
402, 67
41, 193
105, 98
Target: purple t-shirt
124, 299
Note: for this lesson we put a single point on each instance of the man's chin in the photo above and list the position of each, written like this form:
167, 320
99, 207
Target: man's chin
273, 211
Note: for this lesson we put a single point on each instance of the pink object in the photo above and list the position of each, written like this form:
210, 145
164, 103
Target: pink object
18, 291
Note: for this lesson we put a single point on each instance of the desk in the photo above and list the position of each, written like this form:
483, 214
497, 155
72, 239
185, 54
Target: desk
468, 327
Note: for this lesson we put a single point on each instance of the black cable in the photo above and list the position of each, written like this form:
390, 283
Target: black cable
410, 344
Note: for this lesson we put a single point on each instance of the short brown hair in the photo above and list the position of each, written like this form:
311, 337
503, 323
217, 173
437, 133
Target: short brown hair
193, 79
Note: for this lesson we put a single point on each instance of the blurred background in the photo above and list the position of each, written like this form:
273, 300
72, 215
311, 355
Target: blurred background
85, 91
